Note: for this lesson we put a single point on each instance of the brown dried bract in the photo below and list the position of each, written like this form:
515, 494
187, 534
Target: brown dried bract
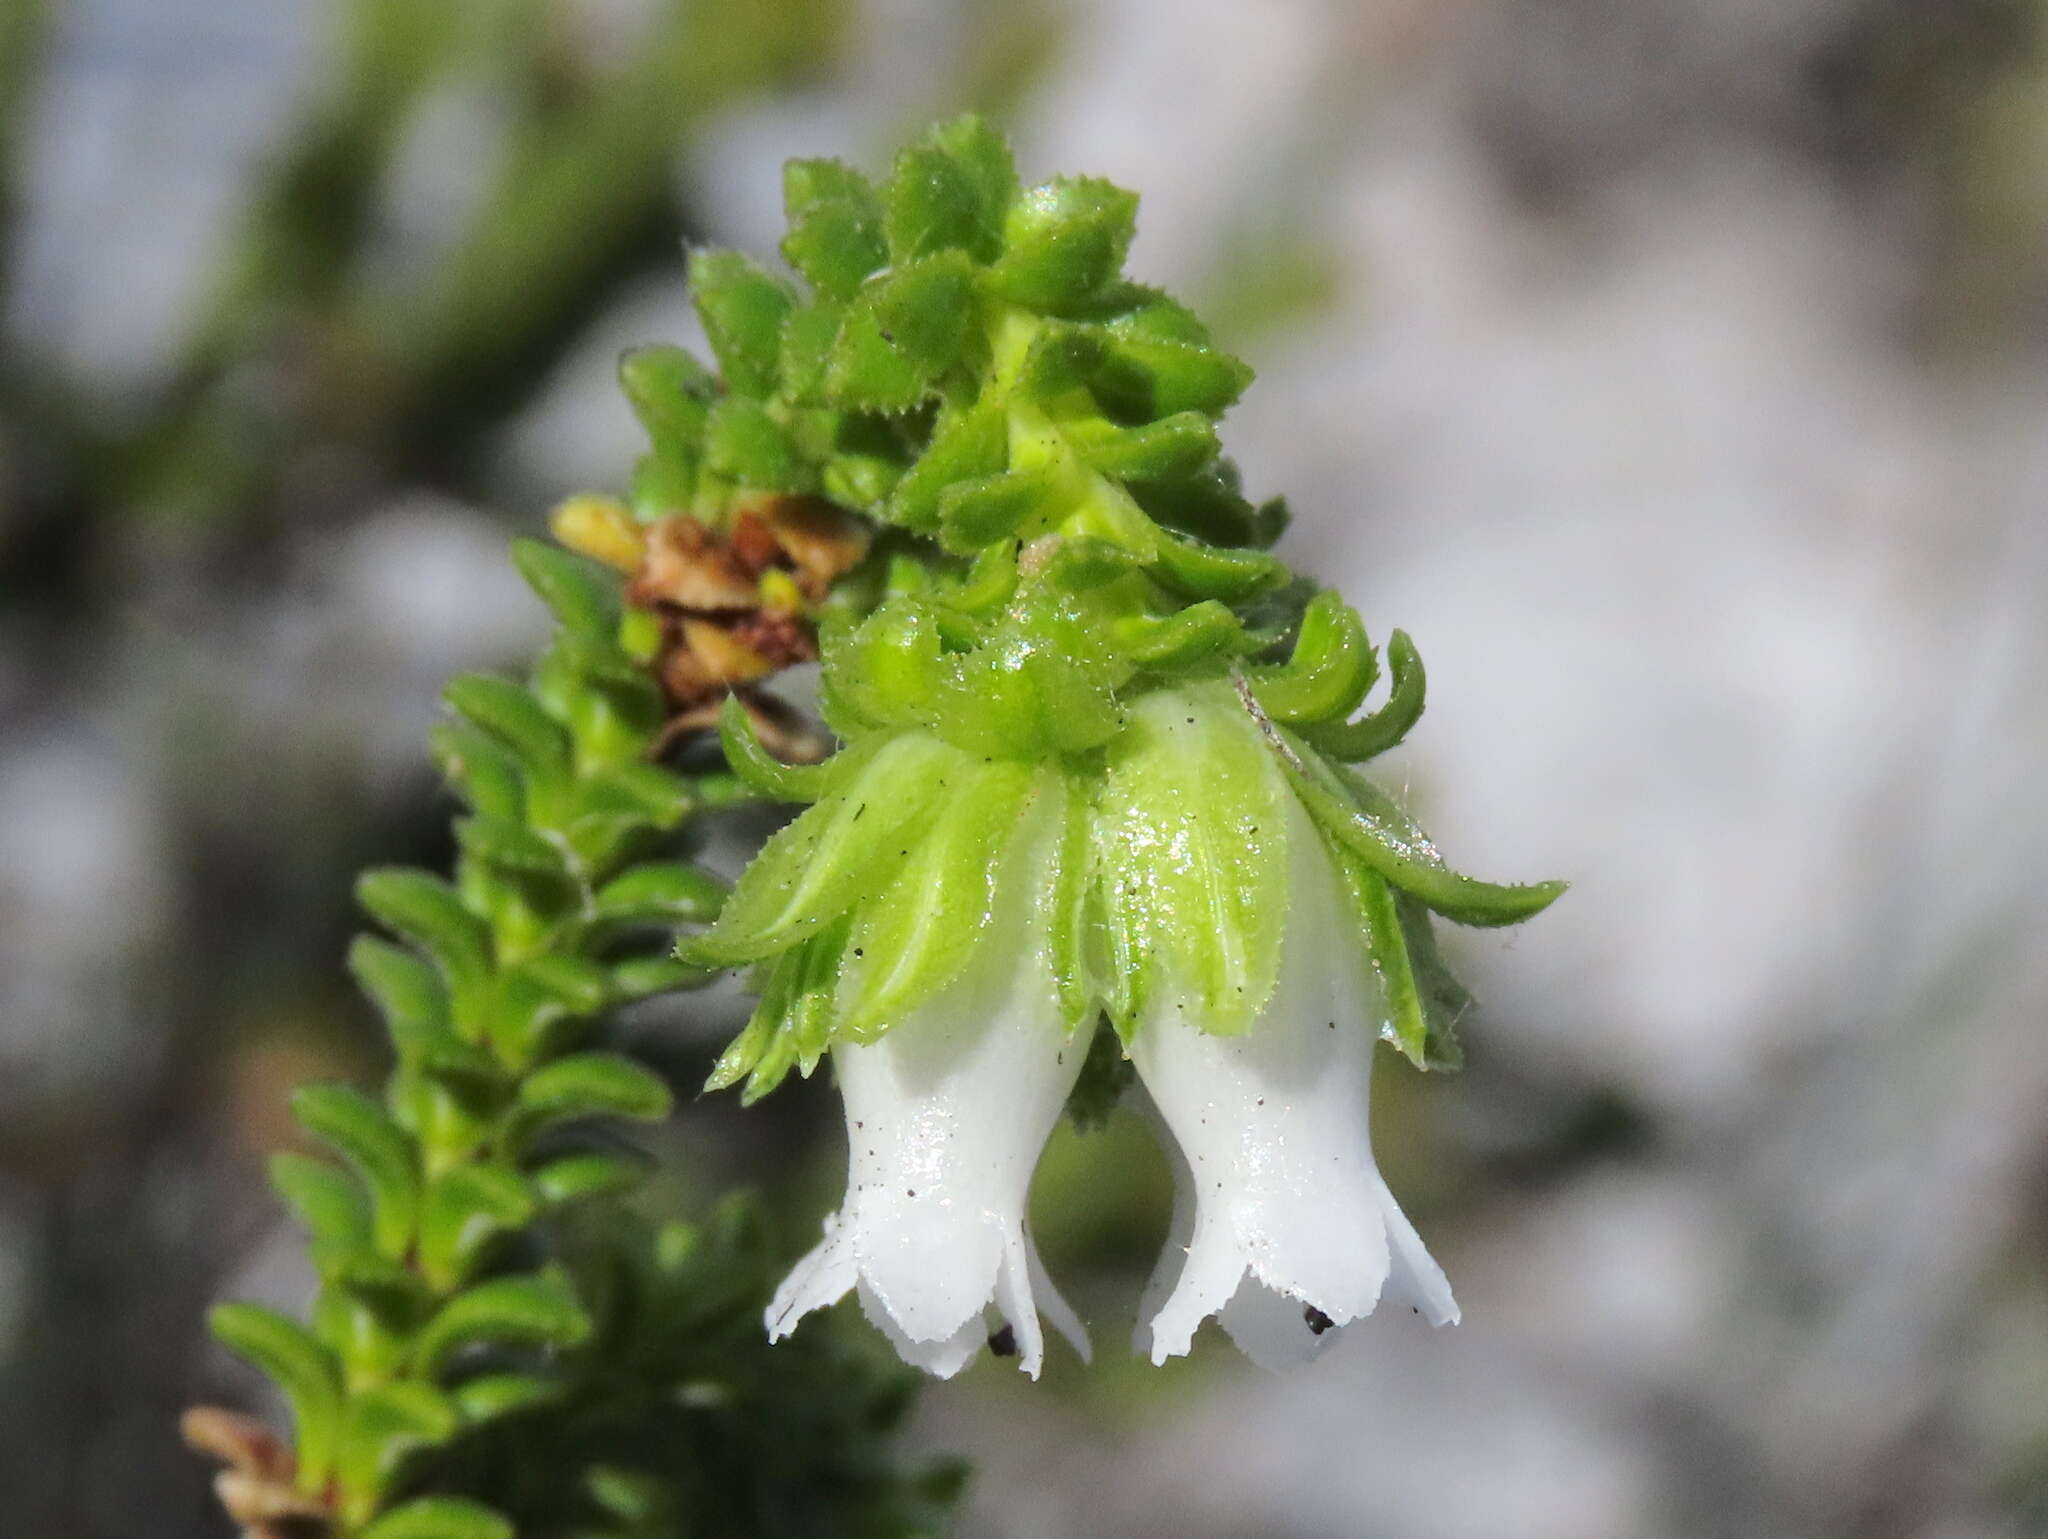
257, 1488
727, 621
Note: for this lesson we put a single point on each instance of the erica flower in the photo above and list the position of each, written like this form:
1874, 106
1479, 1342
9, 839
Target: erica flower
946, 1114
1027, 834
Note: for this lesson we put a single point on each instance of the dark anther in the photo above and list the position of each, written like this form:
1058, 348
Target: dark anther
1004, 1342
1318, 1322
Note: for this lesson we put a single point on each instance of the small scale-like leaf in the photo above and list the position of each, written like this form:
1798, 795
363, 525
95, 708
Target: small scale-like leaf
513, 848
1143, 378
743, 442
754, 764
967, 447
587, 1173
382, 1427
1063, 241
903, 330
427, 912
590, 1085
536, 1309
667, 892
406, 990
439, 1517
1179, 445
670, 392
1226, 573
581, 596
835, 225
509, 712
382, 1153
743, 308
331, 1203
463, 1208
301, 1366
947, 196
500, 1394
976, 514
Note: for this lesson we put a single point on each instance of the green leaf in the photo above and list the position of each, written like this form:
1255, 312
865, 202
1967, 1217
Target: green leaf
329, 1202
581, 595
1332, 667
1355, 742
301, 1366
590, 1085
914, 936
406, 990
1063, 241
949, 193
514, 850
381, 1152
587, 1173
645, 792
542, 998
807, 339
1142, 378
965, 448
1234, 576
480, 771
501, 1394
426, 911
1179, 445
902, 332
462, 1210
835, 225
979, 513
670, 392
1361, 818
509, 713
382, 1427
760, 769
670, 892
439, 1517
743, 308
743, 442
538, 1309
639, 977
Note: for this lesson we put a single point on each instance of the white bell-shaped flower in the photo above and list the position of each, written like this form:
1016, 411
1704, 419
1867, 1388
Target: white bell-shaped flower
946, 1115
1283, 1228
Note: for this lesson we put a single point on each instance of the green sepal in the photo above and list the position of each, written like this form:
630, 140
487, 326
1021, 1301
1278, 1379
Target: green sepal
792, 1024
381, 1427
301, 1366
588, 1085
579, 593
1331, 669
1068, 907
761, 770
462, 1210
1364, 820
536, 1309
1105, 1074
1203, 924
1063, 241
915, 935
1355, 742
331, 1204
364, 1134
808, 873
835, 225
426, 911
406, 989
439, 1517
743, 307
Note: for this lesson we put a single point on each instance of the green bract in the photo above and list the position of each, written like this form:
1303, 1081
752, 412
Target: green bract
1064, 690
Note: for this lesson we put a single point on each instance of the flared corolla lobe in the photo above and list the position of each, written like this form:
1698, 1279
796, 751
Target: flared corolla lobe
946, 1114
1283, 1228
